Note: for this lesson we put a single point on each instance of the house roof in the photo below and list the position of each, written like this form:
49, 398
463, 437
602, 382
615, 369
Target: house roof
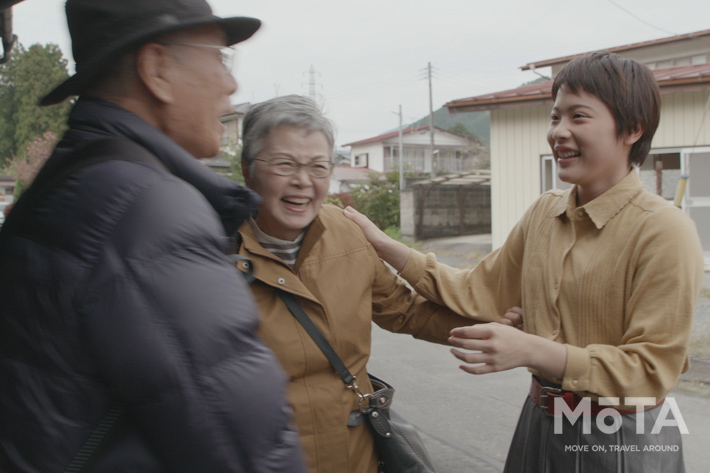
475, 177
406, 131
669, 80
618, 49
238, 109
388, 135
347, 173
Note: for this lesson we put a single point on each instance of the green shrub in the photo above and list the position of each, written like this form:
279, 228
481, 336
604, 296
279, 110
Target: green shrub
379, 200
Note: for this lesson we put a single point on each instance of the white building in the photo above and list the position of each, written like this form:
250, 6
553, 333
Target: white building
452, 152
7, 189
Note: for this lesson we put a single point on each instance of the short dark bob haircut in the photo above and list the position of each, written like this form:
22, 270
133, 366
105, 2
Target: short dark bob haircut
626, 86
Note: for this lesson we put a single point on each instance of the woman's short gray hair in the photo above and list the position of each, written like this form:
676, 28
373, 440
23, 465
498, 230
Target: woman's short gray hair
289, 110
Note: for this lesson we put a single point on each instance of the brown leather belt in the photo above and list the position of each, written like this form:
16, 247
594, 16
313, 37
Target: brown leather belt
544, 397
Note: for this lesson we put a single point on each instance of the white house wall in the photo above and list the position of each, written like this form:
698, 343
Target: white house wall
375, 152
681, 119
517, 142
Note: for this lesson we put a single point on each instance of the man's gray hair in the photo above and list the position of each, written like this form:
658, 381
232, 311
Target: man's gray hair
289, 110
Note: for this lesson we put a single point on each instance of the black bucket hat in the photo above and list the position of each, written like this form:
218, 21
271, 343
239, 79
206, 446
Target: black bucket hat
101, 30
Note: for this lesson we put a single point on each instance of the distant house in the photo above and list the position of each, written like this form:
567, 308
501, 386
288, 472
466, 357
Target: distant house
341, 157
521, 162
232, 136
452, 152
232, 121
346, 178
7, 189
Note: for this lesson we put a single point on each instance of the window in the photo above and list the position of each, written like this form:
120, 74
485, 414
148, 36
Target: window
360, 160
661, 171
548, 175
699, 59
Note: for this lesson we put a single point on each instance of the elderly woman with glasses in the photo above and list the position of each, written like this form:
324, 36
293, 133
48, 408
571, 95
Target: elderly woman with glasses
312, 251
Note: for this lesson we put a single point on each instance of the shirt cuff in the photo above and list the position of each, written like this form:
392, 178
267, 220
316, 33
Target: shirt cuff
415, 268
577, 370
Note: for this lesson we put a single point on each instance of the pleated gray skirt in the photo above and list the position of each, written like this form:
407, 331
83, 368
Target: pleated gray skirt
536, 448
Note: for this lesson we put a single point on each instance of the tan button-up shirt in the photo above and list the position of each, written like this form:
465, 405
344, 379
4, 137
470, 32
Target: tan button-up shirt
616, 280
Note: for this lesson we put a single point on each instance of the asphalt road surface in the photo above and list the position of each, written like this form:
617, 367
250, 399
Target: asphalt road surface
467, 421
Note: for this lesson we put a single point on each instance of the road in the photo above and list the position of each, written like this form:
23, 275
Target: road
468, 421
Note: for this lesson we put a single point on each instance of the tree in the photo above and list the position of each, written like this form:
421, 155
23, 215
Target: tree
24, 80
25, 166
233, 154
379, 200
460, 129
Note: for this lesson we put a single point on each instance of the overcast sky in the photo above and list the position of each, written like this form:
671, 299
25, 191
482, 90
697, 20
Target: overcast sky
370, 56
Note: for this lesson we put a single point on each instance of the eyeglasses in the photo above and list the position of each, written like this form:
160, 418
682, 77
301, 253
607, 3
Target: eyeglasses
226, 53
289, 167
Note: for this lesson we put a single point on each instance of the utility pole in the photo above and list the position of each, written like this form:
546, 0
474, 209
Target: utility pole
401, 153
431, 126
312, 84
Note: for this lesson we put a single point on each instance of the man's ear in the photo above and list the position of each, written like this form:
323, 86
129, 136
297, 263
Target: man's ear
634, 136
156, 67
245, 172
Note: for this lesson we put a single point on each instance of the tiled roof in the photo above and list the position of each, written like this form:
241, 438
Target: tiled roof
389, 135
667, 79
618, 49
474, 177
238, 109
347, 173
539, 91
682, 75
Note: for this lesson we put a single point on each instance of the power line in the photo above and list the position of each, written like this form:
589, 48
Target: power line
639, 19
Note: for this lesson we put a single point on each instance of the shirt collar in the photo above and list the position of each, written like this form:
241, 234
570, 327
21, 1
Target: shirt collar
263, 237
602, 209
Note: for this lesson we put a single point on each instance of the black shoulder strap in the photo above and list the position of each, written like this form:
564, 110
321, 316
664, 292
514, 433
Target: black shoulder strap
94, 152
317, 337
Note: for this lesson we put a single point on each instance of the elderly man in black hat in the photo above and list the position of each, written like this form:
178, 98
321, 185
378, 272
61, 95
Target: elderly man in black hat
127, 338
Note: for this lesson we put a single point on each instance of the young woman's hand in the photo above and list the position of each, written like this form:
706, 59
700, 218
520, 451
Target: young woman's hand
390, 250
496, 347
513, 317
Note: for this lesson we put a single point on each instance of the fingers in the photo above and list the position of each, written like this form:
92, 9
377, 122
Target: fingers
390, 250
372, 233
478, 331
475, 363
488, 348
513, 317
356, 216
506, 321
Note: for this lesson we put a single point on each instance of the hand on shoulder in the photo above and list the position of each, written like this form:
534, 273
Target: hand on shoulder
392, 251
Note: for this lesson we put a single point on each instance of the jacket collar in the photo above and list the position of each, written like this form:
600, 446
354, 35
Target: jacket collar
313, 235
93, 118
602, 209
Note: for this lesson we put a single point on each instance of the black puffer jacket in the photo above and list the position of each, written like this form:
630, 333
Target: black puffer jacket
118, 289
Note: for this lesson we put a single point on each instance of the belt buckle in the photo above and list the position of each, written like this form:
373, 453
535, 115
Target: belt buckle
545, 392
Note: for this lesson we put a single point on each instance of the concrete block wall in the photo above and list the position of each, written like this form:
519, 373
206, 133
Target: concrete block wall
443, 215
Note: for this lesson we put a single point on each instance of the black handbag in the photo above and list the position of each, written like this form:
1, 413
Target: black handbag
399, 447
